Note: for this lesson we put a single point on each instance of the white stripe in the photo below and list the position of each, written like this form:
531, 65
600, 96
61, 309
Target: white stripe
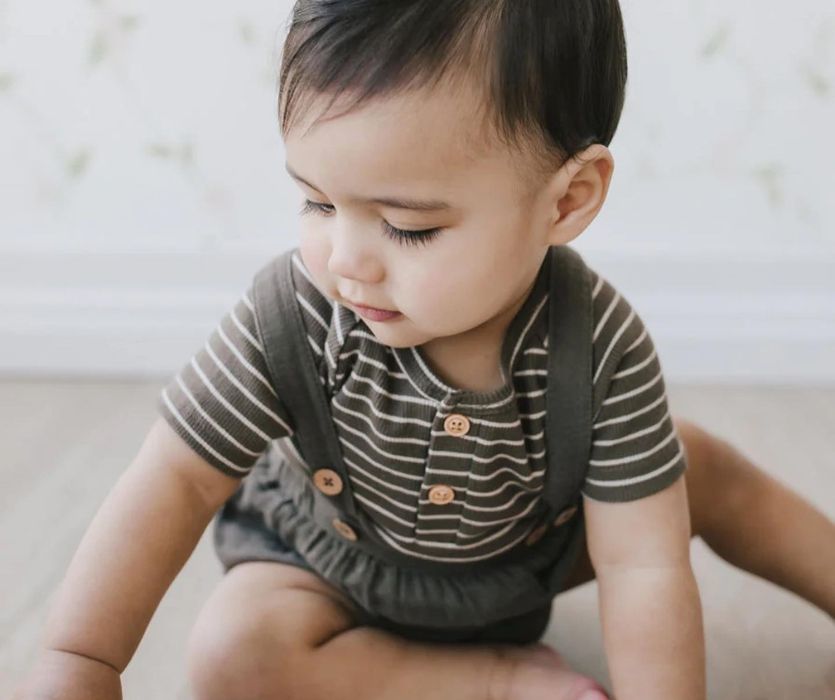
237, 353
531, 394
314, 346
482, 441
486, 406
312, 311
420, 555
393, 472
489, 494
440, 545
207, 447
597, 287
410, 509
412, 494
329, 355
380, 509
605, 317
401, 398
636, 479
640, 390
638, 341
532, 416
337, 321
629, 416
387, 416
503, 506
632, 436
246, 334
211, 420
531, 372
396, 355
635, 368
255, 429
612, 344
373, 428
487, 477
378, 450
234, 380
466, 492
528, 325
634, 458
487, 460
363, 359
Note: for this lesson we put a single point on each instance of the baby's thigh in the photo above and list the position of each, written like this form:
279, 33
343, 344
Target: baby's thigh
258, 625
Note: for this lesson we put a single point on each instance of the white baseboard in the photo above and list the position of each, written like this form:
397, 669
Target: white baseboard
143, 315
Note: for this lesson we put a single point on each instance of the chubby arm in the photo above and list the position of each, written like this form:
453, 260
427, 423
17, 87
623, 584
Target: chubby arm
138, 541
649, 600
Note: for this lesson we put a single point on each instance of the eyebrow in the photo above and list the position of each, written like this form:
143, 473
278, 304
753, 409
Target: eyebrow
393, 202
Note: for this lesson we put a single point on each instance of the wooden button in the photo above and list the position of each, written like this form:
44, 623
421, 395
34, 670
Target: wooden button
456, 424
566, 515
344, 529
536, 534
327, 481
440, 494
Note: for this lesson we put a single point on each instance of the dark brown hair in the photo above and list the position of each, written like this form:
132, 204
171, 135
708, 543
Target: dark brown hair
552, 73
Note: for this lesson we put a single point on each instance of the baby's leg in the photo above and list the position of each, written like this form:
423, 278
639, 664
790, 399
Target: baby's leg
273, 631
757, 522
751, 520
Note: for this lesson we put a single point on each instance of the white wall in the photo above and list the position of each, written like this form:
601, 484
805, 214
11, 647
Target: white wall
142, 182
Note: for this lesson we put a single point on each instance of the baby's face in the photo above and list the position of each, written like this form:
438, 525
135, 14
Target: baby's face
492, 238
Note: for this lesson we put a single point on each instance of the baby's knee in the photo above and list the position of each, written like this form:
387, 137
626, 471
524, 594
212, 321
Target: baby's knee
244, 658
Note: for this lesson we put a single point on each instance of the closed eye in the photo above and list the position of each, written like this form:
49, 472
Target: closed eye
402, 236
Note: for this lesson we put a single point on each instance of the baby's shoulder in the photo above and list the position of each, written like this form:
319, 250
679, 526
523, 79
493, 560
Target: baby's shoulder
616, 324
621, 343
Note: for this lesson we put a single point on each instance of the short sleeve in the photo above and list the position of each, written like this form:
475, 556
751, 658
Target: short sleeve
635, 448
222, 402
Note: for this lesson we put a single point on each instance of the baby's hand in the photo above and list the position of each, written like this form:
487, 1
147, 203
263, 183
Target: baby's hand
58, 674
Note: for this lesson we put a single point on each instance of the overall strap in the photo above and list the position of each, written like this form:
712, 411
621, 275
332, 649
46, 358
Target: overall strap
294, 374
569, 394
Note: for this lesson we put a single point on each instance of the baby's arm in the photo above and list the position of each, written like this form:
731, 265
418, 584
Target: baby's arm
649, 600
138, 541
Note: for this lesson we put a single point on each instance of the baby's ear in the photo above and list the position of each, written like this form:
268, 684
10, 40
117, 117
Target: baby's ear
579, 190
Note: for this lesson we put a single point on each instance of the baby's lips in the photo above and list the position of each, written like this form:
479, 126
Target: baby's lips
594, 695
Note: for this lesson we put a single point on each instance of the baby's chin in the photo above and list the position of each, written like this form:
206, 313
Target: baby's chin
398, 333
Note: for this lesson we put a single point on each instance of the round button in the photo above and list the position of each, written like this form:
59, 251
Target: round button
456, 424
536, 534
441, 494
566, 515
327, 481
344, 529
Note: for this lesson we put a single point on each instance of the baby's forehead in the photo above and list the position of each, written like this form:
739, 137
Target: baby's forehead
426, 131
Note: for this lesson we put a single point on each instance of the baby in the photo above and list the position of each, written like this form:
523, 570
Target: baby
395, 506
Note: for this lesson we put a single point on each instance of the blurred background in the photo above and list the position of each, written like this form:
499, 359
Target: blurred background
142, 178
142, 184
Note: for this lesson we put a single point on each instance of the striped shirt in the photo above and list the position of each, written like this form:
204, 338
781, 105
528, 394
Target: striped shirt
389, 407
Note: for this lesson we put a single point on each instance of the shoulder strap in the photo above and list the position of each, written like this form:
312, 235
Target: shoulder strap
293, 371
569, 394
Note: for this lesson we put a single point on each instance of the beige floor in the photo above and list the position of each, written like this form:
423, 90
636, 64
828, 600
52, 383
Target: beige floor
64, 444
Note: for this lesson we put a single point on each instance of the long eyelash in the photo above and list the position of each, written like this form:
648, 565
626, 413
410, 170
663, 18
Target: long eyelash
397, 234
410, 237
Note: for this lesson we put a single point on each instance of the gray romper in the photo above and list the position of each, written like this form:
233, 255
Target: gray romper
305, 501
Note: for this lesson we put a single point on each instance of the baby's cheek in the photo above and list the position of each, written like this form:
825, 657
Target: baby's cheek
315, 252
